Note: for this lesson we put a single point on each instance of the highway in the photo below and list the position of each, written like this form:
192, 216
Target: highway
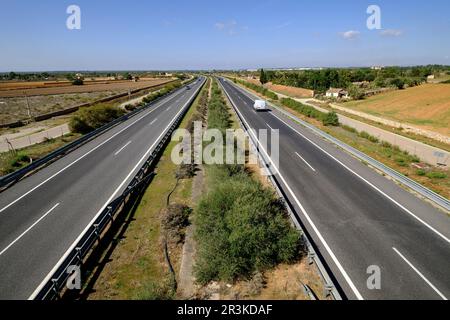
42, 216
356, 217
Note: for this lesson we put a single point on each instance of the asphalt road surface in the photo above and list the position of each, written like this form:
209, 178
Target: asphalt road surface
359, 220
44, 214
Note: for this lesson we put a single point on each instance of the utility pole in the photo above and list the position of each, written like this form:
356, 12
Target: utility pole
28, 106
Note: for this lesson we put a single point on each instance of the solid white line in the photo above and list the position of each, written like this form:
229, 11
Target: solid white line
86, 154
269, 126
420, 274
368, 182
305, 162
319, 235
47, 278
118, 151
29, 228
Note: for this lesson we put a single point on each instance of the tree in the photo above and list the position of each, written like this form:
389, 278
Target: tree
78, 82
398, 82
355, 92
262, 77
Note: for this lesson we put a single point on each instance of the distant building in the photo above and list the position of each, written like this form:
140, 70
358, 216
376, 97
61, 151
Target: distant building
337, 93
376, 68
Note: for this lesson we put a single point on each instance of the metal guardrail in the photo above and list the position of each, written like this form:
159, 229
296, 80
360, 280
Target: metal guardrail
9, 179
397, 176
56, 283
330, 287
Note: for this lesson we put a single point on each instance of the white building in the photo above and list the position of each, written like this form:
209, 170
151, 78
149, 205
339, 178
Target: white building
337, 93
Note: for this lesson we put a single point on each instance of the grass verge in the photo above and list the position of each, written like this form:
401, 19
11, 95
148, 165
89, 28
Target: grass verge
13, 161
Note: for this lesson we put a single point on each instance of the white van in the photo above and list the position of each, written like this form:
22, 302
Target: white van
260, 105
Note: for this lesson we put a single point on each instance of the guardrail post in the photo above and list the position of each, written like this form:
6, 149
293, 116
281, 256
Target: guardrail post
96, 231
55, 288
80, 258
311, 256
328, 289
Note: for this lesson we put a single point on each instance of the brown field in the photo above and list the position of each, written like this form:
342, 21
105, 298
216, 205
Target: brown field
291, 91
17, 89
426, 106
286, 90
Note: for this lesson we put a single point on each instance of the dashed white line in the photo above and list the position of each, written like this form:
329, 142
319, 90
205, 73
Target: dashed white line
420, 274
28, 229
118, 151
367, 181
269, 126
153, 121
305, 162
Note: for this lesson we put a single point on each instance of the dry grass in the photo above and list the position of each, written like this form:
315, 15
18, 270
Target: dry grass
286, 90
426, 106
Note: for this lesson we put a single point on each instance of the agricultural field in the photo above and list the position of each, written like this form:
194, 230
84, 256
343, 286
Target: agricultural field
18, 89
426, 106
42, 100
286, 90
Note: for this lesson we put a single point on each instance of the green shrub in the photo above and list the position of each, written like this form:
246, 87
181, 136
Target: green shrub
91, 118
242, 228
330, 119
436, 175
421, 172
78, 82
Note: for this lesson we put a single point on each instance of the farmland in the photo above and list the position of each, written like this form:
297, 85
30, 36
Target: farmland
45, 98
426, 106
16, 89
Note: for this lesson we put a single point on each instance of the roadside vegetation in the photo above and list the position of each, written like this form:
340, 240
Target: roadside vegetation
14, 160
88, 119
241, 226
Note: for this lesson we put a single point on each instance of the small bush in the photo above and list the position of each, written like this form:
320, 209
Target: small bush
91, 118
330, 119
78, 82
436, 175
421, 172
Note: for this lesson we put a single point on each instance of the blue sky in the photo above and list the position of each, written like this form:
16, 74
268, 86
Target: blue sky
159, 35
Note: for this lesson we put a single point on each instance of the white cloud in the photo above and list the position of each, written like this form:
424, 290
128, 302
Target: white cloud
350, 35
230, 27
391, 33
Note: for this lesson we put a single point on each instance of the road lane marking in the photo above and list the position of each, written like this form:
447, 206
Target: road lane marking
420, 274
118, 151
47, 277
270, 127
368, 182
305, 162
86, 154
316, 230
153, 121
169, 108
28, 229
